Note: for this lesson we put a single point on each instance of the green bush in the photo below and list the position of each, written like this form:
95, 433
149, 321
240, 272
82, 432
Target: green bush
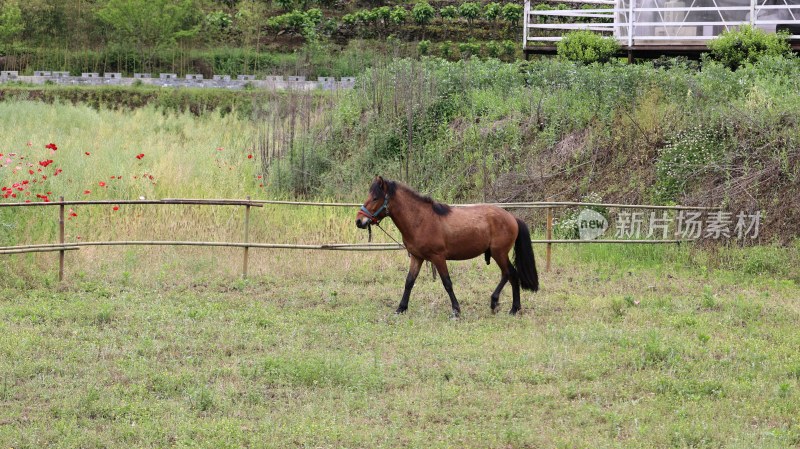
448, 12
399, 15
469, 49
422, 13
512, 13
492, 11
469, 11
587, 47
493, 49
423, 47
747, 45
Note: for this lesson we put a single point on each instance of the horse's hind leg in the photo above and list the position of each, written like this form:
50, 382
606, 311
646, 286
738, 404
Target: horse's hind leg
413, 271
441, 266
507, 272
496, 294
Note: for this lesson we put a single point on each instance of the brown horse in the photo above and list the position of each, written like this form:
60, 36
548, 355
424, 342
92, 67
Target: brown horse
436, 232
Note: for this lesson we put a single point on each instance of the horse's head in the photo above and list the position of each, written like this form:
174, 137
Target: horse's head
376, 207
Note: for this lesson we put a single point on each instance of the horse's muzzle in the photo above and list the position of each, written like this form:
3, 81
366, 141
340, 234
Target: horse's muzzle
362, 222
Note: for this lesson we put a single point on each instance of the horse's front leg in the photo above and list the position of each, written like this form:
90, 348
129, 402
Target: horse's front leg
413, 271
441, 267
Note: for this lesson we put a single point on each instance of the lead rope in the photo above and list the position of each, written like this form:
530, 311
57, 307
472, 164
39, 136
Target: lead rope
433, 270
389, 235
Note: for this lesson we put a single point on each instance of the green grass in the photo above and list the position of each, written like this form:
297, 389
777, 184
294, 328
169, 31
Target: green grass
625, 346
307, 353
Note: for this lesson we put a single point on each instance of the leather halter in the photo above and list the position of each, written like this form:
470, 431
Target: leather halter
375, 218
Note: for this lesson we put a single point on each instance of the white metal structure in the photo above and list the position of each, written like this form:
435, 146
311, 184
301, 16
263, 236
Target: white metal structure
658, 23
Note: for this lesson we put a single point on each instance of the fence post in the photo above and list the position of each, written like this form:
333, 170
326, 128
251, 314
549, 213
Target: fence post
246, 238
549, 237
61, 239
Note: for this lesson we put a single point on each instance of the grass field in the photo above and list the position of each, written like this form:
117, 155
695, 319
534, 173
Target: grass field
623, 347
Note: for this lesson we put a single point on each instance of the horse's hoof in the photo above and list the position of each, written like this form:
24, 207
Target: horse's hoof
455, 315
400, 311
513, 311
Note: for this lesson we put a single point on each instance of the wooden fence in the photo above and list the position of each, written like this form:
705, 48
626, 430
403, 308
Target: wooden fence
62, 246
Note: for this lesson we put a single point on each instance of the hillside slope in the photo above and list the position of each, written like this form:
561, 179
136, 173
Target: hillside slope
487, 130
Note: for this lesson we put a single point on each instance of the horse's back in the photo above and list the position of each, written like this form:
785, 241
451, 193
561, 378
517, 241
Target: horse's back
472, 230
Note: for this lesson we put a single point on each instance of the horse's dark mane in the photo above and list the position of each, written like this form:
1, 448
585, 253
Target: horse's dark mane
392, 187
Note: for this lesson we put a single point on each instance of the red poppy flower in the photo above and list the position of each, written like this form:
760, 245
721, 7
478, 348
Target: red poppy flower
45, 162
140, 156
51, 146
115, 208
58, 170
101, 184
249, 156
72, 213
87, 153
31, 172
86, 192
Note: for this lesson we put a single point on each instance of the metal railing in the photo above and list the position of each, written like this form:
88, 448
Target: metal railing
659, 22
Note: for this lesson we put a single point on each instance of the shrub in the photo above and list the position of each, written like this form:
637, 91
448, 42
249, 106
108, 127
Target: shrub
423, 47
469, 11
469, 49
492, 11
422, 13
747, 45
383, 13
512, 13
446, 49
448, 12
510, 49
399, 15
587, 47
493, 49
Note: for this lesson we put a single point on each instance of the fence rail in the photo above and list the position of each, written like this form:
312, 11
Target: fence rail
636, 23
62, 246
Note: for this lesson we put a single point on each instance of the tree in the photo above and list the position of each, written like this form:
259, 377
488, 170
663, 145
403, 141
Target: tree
492, 11
469, 11
302, 23
286, 5
512, 13
422, 13
10, 21
399, 15
448, 12
150, 24
249, 20
383, 14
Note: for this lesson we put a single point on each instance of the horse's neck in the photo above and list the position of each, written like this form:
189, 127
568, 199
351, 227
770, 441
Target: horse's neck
406, 218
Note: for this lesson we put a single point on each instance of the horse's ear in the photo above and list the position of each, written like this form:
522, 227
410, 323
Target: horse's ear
381, 183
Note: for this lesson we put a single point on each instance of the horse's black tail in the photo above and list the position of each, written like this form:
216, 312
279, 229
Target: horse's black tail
523, 258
